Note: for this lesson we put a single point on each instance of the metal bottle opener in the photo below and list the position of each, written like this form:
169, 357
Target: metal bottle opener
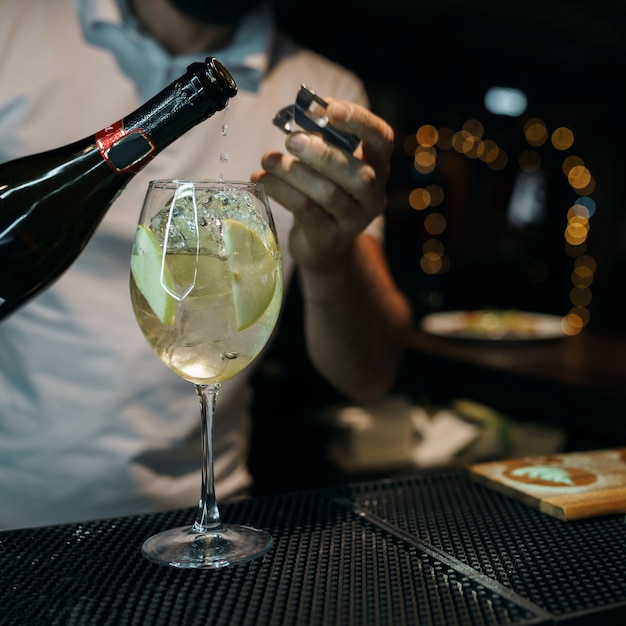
309, 113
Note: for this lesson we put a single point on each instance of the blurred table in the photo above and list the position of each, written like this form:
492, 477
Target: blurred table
434, 548
576, 382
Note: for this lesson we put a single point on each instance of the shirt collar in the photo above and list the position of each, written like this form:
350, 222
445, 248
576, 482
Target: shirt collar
109, 24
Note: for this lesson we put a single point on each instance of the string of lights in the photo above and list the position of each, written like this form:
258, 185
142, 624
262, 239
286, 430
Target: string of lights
469, 141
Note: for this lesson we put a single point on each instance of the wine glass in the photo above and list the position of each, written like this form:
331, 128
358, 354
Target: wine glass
206, 287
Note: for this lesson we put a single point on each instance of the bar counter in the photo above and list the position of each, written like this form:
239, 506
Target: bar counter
431, 548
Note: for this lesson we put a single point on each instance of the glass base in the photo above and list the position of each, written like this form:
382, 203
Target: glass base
187, 548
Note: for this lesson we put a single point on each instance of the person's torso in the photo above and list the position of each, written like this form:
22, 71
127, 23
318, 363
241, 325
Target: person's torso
89, 416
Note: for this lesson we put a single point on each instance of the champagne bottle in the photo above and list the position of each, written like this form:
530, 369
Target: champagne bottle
52, 202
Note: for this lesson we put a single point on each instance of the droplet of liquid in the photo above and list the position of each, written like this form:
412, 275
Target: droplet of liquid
223, 155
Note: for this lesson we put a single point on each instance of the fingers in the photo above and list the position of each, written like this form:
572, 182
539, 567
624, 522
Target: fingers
358, 173
333, 195
320, 182
310, 196
331, 176
376, 135
345, 169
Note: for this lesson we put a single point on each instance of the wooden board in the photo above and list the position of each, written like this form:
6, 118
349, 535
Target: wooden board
567, 486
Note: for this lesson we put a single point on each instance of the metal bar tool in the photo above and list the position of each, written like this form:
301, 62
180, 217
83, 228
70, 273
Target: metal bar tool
309, 113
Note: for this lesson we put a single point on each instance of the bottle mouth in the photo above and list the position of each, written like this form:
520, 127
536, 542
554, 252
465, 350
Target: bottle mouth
230, 85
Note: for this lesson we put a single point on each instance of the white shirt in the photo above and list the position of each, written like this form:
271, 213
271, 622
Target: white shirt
92, 424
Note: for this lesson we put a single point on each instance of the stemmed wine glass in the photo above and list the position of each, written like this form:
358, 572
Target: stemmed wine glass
206, 287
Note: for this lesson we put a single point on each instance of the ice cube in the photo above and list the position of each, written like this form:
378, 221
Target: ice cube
192, 222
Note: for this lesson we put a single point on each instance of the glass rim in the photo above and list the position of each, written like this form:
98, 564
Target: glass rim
173, 183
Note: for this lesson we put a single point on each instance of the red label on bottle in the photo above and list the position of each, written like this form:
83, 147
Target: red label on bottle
124, 151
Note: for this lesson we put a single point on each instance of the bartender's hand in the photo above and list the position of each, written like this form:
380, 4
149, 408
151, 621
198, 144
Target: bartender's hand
356, 319
332, 194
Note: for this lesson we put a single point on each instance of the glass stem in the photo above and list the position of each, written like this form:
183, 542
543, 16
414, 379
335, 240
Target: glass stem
208, 515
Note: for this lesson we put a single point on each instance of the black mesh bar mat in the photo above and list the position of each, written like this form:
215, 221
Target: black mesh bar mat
569, 569
433, 549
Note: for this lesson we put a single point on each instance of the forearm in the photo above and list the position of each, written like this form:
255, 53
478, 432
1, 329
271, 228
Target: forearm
356, 322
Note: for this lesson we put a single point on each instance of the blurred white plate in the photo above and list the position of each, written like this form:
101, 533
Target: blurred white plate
493, 325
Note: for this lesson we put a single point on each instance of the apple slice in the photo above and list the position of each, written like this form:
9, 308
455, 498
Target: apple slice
152, 275
253, 272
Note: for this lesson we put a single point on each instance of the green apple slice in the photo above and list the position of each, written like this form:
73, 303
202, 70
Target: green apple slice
145, 265
253, 272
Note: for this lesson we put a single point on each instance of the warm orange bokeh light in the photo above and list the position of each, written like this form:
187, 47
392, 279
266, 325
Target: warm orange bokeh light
435, 223
535, 132
419, 199
427, 135
562, 138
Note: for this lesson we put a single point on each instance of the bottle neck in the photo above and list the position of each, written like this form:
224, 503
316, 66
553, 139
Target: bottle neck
129, 144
